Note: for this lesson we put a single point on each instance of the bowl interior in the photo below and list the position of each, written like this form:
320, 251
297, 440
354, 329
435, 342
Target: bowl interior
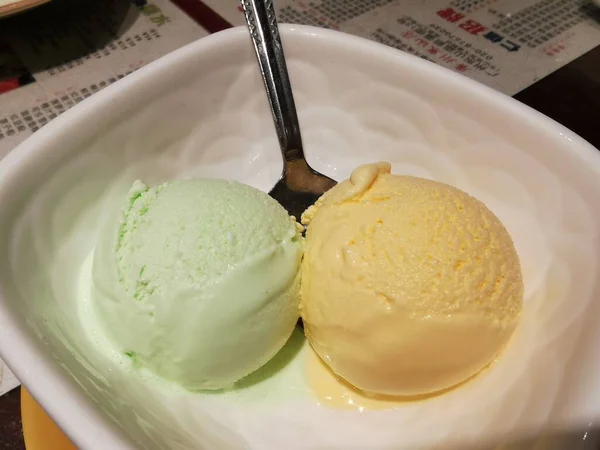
202, 112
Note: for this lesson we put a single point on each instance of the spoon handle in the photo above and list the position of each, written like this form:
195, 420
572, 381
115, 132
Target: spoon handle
260, 17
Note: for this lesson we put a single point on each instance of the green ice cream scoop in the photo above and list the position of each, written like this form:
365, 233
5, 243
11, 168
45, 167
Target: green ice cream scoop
199, 280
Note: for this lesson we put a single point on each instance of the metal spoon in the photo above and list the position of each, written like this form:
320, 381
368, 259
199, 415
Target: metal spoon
300, 185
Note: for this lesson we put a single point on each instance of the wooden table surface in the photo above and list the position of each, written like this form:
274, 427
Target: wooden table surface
571, 96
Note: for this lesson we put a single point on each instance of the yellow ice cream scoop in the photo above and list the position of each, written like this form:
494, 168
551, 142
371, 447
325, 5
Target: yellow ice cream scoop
409, 286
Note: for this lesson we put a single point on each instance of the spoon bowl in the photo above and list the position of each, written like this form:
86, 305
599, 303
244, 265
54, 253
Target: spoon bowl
299, 187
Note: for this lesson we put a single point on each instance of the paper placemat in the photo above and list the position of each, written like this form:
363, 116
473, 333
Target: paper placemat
7, 380
506, 44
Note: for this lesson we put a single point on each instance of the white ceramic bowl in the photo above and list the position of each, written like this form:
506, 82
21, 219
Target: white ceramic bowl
201, 111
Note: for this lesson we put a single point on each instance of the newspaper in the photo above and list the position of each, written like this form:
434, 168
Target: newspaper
55, 56
506, 44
